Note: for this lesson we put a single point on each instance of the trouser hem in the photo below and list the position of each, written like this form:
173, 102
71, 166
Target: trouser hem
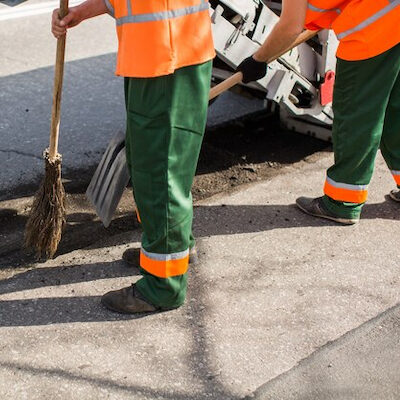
160, 300
342, 209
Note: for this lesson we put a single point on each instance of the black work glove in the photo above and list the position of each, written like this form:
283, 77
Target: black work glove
252, 70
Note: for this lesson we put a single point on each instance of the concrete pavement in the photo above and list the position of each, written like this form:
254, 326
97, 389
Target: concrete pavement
363, 364
273, 287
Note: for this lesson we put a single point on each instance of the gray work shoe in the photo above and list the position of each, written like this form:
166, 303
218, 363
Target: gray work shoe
127, 301
395, 195
315, 208
132, 257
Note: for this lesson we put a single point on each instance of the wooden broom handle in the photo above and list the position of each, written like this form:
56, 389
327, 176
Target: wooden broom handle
237, 78
58, 81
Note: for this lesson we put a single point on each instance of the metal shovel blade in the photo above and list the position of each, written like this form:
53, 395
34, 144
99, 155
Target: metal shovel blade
109, 180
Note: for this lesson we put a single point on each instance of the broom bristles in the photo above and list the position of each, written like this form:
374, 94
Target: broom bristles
47, 216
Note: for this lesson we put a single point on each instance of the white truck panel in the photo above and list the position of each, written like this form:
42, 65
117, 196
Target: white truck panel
293, 81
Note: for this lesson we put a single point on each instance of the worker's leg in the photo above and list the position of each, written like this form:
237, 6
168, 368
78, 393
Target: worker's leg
361, 96
192, 240
390, 142
165, 125
128, 161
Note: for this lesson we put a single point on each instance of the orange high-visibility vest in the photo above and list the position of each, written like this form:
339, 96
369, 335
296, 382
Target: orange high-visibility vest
155, 37
365, 28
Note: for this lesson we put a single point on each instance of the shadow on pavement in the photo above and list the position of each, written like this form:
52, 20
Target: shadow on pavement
104, 383
44, 311
65, 275
232, 219
57, 310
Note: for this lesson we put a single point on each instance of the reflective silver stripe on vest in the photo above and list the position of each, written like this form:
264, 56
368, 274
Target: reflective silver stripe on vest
322, 10
129, 7
346, 185
159, 16
393, 4
165, 257
395, 172
109, 7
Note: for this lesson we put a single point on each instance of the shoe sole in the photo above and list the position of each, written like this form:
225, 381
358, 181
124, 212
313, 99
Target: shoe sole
342, 221
157, 310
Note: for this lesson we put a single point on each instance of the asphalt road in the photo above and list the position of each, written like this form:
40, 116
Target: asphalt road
92, 103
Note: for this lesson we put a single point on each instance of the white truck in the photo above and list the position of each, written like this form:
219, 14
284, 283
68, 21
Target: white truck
295, 81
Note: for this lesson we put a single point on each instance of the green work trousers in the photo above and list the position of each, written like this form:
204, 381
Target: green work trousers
166, 118
366, 107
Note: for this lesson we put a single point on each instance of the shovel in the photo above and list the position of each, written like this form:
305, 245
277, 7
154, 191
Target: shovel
112, 175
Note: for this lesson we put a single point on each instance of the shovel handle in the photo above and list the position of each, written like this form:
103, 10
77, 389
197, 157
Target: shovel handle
57, 89
237, 77
225, 85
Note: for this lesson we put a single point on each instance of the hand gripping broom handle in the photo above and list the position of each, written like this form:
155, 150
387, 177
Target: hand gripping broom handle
237, 78
58, 81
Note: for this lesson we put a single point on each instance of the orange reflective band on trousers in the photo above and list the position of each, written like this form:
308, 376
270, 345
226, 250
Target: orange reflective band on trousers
345, 192
165, 265
396, 176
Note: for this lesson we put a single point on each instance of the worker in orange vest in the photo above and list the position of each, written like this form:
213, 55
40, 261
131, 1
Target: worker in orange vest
366, 101
164, 54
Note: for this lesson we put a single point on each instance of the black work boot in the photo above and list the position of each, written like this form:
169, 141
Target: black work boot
316, 208
127, 301
132, 257
395, 195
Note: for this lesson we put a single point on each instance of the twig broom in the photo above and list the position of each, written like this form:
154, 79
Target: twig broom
47, 217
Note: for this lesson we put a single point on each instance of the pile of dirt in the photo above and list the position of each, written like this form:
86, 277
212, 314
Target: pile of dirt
253, 148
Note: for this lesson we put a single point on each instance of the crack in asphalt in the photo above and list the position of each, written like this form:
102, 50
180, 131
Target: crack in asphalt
21, 153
